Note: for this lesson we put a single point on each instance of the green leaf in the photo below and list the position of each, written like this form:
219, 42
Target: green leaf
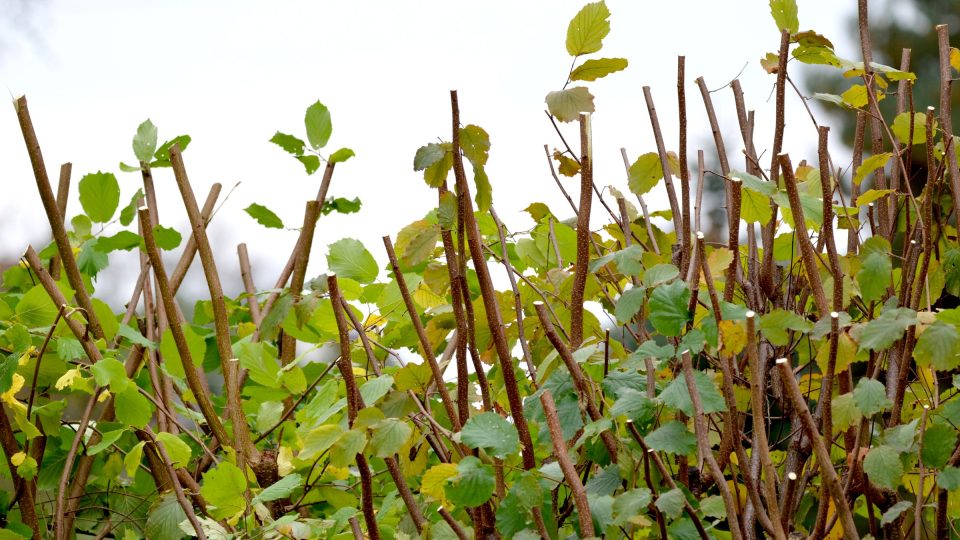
123, 240
872, 195
776, 325
660, 274
473, 485
949, 478
845, 412
166, 237
106, 441
870, 396
645, 173
939, 440
629, 304
475, 144
883, 331
484, 195
178, 450
280, 489
289, 143
938, 347
310, 163
671, 503
677, 396
874, 276
135, 337
259, 361
594, 69
755, 207
588, 28
416, 242
566, 105
131, 461
871, 164
341, 205
91, 260
672, 438
883, 467
344, 452
785, 15
133, 409
162, 154
99, 196
349, 259
374, 389
145, 141
901, 127
447, 211
427, 156
319, 439
268, 414
224, 487
129, 211
894, 512
630, 503
341, 155
318, 124
110, 372
389, 436
668, 308
163, 522
264, 216
491, 432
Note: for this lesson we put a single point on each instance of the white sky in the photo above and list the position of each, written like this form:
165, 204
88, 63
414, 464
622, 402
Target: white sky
232, 73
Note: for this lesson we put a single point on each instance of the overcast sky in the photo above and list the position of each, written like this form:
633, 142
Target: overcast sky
232, 73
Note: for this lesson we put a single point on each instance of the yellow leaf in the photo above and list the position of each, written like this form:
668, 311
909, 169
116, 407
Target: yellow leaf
9, 398
18, 458
285, 461
718, 261
25, 357
66, 380
733, 337
846, 353
435, 480
955, 58
105, 395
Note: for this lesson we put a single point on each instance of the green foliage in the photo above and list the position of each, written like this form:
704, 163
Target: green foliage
282, 447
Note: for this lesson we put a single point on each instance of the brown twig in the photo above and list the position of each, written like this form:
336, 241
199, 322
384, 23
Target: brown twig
946, 100
703, 445
566, 465
54, 217
425, 346
354, 404
580, 382
827, 471
803, 238
249, 288
583, 232
664, 162
63, 193
489, 295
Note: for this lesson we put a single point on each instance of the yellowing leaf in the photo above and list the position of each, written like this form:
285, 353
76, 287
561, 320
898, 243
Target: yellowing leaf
733, 335
594, 69
770, 62
9, 398
567, 165
18, 458
435, 480
588, 28
955, 58
566, 105
645, 173
872, 195
871, 164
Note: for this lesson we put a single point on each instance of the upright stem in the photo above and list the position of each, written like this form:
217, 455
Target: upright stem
800, 228
425, 344
63, 193
354, 404
703, 446
946, 118
241, 432
54, 217
664, 162
768, 269
684, 167
566, 465
489, 294
829, 474
583, 233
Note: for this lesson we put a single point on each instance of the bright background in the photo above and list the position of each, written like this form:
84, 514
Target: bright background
232, 73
